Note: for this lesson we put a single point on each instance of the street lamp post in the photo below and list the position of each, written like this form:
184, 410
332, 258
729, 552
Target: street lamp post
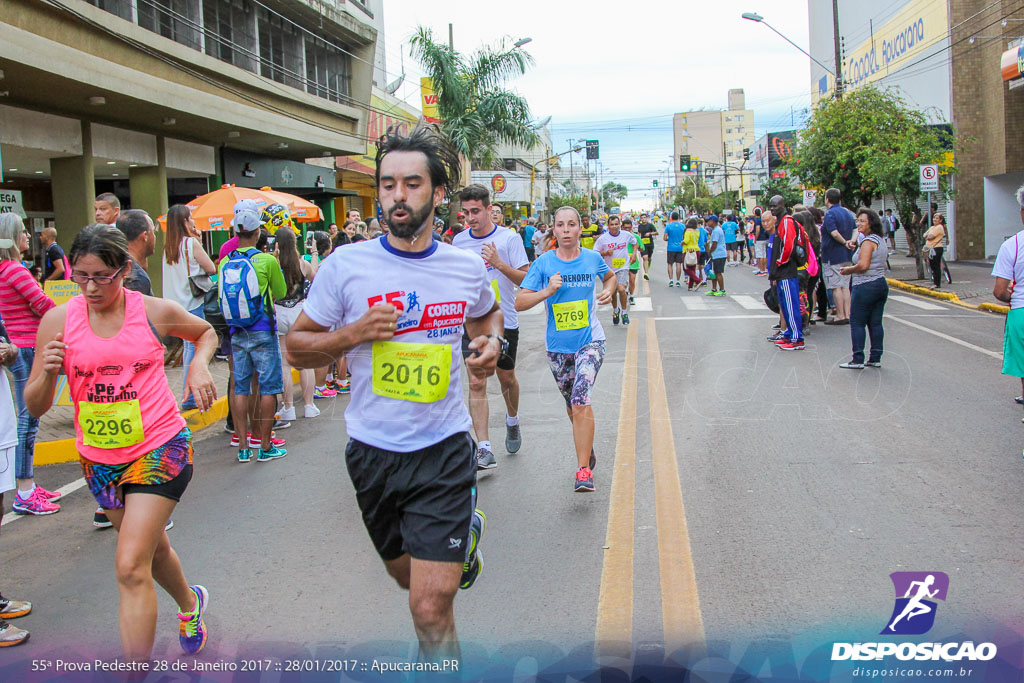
838, 73
533, 170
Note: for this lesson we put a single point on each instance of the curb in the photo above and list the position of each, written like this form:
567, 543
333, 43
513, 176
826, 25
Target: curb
946, 296
64, 451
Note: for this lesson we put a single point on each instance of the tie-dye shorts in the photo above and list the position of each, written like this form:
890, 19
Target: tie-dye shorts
575, 373
164, 471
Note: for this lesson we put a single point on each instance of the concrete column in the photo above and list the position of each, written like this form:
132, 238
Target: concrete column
148, 187
329, 210
73, 184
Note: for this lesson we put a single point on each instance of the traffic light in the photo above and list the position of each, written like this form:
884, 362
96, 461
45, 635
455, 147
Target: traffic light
684, 163
746, 154
655, 183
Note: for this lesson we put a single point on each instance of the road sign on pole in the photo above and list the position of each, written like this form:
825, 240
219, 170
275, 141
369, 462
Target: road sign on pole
929, 176
810, 196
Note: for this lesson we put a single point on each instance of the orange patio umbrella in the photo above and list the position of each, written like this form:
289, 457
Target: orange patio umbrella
214, 210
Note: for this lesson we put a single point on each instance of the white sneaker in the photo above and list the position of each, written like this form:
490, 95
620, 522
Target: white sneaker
286, 414
312, 410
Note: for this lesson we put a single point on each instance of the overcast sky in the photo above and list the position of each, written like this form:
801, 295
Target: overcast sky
618, 76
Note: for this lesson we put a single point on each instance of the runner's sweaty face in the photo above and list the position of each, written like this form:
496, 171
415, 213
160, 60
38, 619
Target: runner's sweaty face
477, 215
567, 229
406, 194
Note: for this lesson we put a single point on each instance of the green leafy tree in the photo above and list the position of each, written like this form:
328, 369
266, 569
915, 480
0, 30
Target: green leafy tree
582, 202
613, 193
779, 186
477, 113
871, 144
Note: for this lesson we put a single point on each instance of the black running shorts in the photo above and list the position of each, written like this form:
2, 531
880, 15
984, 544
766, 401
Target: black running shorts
420, 503
507, 360
674, 257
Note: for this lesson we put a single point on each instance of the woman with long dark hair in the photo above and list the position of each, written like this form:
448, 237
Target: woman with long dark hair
297, 274
870, 290
184, 260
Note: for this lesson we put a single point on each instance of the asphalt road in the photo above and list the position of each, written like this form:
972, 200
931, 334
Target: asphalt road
744, 494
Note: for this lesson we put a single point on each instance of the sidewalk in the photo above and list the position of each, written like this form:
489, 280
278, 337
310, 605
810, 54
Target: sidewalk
972, 280
55, 439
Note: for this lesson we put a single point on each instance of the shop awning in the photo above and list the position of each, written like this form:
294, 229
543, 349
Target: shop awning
1012, 65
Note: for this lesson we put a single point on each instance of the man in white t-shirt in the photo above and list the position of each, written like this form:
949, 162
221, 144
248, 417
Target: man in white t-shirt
1009, 272
613, 245
504, 255
399, 303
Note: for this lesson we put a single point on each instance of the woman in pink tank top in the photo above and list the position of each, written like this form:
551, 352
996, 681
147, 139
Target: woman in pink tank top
135, 449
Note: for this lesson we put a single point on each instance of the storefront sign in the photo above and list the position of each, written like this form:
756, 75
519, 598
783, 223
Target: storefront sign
506, 186
385, 112
1012, 63
918, 26
60, 290
10, 202
431, 113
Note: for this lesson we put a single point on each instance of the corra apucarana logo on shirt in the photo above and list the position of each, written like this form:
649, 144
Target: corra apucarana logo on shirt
441, 318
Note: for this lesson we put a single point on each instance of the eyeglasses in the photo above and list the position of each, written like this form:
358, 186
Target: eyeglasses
83, 280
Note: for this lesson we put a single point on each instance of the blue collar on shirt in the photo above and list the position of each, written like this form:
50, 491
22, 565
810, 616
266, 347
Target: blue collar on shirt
408, 254
485, 236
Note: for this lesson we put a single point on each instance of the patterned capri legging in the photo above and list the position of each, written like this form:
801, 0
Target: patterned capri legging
575, 373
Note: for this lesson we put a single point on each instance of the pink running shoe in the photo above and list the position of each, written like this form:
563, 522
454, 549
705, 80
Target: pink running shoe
49, 495
37, 504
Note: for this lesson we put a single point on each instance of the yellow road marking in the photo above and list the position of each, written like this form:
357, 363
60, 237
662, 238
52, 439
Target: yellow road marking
614, 633
680, 603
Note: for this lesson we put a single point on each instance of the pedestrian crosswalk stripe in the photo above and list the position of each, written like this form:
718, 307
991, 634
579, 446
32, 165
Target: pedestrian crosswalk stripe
641, 304
748, 302
911, 301
694, 304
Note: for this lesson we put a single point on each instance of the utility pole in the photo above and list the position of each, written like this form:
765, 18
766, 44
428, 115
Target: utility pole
572, 183
726, 169
839, 58
451, 38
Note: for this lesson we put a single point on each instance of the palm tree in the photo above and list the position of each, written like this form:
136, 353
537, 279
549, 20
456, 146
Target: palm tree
476, 112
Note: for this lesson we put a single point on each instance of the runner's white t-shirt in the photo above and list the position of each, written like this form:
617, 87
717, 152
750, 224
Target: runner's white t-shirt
511, 251
619, 260
437, 289
1009, 265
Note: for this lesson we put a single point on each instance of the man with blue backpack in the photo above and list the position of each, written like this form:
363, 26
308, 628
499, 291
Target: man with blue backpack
248, 282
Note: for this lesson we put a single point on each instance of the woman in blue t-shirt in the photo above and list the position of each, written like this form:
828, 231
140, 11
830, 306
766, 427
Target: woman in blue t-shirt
565, 277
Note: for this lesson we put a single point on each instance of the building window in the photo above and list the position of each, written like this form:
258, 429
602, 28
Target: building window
281, 53
174, 19
122, 8
230, 29
739, 117
728, 118
328, 71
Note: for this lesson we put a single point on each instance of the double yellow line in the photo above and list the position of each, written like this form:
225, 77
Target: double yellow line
682, 624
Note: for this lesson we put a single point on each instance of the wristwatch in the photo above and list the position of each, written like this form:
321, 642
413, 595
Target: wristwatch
502, 341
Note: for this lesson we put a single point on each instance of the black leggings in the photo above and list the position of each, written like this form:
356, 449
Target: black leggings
936, 262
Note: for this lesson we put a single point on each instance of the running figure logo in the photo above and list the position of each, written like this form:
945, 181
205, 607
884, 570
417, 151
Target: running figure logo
412, 302
916, 592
